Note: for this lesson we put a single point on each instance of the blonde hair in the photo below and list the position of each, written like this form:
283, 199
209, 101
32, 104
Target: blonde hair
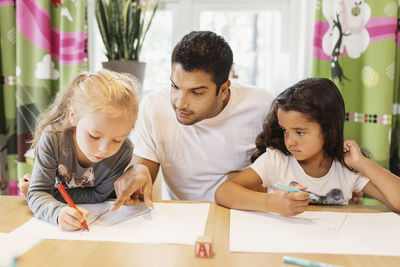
112, 93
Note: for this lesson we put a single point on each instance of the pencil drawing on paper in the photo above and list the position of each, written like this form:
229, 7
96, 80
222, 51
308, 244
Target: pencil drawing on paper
101, 217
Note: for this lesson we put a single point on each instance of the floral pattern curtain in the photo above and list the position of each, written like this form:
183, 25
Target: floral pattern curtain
43, 45
356, 44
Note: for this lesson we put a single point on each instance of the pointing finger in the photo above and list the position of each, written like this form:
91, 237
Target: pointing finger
147, 195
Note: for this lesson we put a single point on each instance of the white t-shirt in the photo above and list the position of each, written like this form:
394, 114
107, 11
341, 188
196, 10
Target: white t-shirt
336, 187
195, 159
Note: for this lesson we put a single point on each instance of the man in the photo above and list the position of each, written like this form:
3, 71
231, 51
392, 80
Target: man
199, 131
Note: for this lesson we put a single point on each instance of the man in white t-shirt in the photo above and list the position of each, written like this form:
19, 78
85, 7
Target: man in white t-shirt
201, 129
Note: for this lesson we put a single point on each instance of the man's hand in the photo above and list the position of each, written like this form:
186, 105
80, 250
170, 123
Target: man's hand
23, 184
136, 181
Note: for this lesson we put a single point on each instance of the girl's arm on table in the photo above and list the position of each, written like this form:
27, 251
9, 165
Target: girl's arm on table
237, 193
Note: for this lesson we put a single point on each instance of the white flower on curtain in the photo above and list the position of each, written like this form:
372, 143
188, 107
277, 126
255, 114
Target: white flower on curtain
45, 69
65, 13
347, 20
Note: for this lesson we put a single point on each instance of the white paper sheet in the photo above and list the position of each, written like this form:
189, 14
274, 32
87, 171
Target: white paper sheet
100, 215
316, 232
174, 223
11, 247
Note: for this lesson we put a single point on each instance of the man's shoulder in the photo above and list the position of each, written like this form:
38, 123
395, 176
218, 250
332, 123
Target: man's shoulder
247, 91
251, 98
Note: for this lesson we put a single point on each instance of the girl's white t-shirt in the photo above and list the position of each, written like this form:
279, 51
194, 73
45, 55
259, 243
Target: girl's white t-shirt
336, 187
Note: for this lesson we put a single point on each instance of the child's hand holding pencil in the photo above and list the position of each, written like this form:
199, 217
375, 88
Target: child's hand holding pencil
71, 217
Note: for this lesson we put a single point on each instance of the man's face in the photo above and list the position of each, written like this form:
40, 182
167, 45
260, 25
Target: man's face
193, 95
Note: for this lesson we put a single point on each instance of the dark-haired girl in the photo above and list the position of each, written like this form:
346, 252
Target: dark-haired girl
302, 146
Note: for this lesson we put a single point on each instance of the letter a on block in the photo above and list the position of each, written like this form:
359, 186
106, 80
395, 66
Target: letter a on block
203, 247
203, 250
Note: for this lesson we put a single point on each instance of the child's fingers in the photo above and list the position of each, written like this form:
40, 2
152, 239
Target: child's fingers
347, 145
297, 212
70, 219
300, 206
298, 196
356, 198
65, 225
300, 187
74, 216
294, 203
23, 186
85, 213
346, 148
21, 182
303, 203
27, 177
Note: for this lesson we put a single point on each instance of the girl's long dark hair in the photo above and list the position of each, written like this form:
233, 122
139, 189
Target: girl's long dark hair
317, 98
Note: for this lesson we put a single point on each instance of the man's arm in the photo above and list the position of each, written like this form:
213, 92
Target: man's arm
137, 180
151, 165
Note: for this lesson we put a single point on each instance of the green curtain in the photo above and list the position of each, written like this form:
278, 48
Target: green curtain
43, 45
356, 45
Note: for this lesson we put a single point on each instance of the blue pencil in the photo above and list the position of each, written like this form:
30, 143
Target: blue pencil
292, 189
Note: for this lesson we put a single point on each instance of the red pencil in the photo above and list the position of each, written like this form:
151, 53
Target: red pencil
69, 201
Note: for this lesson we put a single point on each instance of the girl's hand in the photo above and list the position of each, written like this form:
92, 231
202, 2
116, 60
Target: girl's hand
70, 219
23, 184
291, 203
352, 153
356, 198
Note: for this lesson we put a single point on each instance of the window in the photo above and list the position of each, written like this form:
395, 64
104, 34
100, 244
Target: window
271, 39
157, 50
255, 39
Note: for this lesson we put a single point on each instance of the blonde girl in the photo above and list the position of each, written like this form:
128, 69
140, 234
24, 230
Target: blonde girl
81, 141
302, 146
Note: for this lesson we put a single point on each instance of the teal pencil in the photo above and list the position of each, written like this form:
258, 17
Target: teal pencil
14, 262
306, 263
292, 189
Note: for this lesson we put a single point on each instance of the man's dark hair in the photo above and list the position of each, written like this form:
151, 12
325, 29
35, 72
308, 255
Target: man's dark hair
205, 51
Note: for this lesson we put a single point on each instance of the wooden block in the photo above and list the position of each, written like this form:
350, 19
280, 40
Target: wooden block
203, 247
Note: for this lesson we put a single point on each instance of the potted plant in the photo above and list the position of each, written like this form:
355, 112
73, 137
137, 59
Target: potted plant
123, 27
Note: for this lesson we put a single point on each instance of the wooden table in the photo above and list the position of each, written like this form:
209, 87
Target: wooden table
14, 211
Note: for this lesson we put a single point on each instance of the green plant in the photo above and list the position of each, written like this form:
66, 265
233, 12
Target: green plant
123, 26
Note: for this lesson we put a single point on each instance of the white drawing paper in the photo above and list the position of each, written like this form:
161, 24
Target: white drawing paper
316, 232
174, 223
